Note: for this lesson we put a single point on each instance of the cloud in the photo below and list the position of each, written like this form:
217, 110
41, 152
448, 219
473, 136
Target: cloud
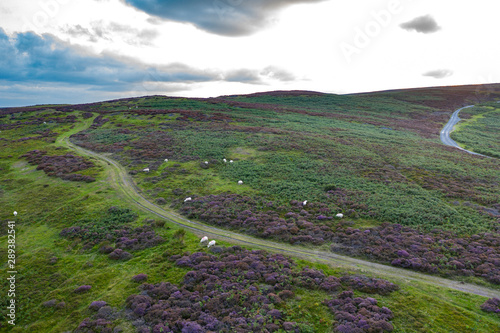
154, 20
5, 10
133, 36
242, 75
439, 73
79, 31
424, 24
258, 76
222, 17
34, 68
277, 73
99, 30
31, 58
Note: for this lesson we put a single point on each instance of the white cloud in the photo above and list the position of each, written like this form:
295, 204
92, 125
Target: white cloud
439, 73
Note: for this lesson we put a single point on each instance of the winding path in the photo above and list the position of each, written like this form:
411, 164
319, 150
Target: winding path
448, 128
119, 178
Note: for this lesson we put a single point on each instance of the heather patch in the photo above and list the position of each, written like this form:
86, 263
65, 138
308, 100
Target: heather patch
62, 166
240, 290
113, 228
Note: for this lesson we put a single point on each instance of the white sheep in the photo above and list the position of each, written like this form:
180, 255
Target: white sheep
212, 243
45, 123
339, 215
225, 161
166, 160
204, 240
231, 161
240, 182
146, 170
206, 162
187, 199
15, 213
304, 203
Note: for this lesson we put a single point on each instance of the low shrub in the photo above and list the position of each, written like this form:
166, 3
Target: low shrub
359, 314
62, 166
491, 305
235, 291
96, 305
140, 277
119, 254
82, 289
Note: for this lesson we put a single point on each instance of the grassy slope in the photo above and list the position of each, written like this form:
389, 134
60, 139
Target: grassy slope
365, 144
120, 180
45, 210
480, 130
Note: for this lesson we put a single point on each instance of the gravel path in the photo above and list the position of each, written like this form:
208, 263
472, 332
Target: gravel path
448, 128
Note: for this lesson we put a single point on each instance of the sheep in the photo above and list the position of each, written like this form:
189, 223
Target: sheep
231, 161
225, 161
240, 182
212, 243
206, 162
15, 213
166, 160
204, 240
146, 170
304, 203
45, 123
339, 215
188, 199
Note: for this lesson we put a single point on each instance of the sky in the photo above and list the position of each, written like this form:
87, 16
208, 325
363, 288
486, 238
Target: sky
69, 51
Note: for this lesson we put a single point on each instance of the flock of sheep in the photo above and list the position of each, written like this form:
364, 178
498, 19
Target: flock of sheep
204, 240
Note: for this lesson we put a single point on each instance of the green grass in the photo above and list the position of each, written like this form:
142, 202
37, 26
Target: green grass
481, 132
296, 163
292, 155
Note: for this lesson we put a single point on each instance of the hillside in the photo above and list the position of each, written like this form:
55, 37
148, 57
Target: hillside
91, 181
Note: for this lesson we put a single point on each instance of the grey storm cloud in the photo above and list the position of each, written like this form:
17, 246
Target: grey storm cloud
439, 73
222, 17
423, 24
28, 58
